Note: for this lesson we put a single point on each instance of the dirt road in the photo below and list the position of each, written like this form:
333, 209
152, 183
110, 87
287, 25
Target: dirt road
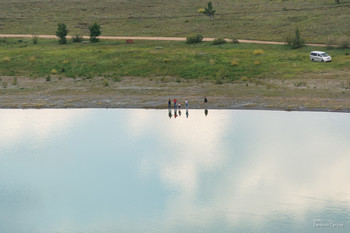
148, 38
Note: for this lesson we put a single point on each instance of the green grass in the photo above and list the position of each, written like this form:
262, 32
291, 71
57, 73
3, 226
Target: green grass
253, 19
161, 58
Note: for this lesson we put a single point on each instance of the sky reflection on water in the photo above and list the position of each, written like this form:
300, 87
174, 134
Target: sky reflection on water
132, 170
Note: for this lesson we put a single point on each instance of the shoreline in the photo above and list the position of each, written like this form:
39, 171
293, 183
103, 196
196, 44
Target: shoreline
152, 93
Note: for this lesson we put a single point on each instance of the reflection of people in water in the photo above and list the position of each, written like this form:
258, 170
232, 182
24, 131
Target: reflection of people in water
179, 112
186, 113
175, 113
170, 115
206, 112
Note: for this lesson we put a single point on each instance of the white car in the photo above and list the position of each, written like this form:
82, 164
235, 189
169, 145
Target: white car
320, 56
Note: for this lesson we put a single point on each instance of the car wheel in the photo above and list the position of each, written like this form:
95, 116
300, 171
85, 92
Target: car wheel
322, 60
312, 59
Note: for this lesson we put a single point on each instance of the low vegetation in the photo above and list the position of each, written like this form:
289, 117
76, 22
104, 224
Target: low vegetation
219, 41
117, 59
194, 39
253, 19
77, 38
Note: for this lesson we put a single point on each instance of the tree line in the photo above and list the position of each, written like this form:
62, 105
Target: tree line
62, 32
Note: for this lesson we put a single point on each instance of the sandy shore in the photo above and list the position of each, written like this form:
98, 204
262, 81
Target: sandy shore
317, 94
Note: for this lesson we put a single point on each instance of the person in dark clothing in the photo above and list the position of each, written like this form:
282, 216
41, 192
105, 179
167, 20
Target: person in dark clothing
169, 103
205, 101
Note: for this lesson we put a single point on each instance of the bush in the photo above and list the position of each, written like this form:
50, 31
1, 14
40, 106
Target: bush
234, 63
234, 40
48, 78
35, 39
258, 52
4, 84
117, 79
194, 39
105, 82
77, 38
344, 42
6, 59
295, 41
218, 81
14, 81
219, 41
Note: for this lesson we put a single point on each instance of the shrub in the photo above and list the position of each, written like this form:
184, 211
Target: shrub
244, 78
14, 81
194, 39
53, 71
331, 42
65, 61
77, 38
295, 41
212, 61
218, 81
105, 83
344, 42
117, 79
234, 63
234, 40
219, 41
258, 52
6, 59
35, 39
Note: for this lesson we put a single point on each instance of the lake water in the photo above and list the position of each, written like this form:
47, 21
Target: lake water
134, 170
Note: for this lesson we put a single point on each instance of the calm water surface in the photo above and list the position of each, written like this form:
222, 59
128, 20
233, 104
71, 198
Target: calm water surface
131, 170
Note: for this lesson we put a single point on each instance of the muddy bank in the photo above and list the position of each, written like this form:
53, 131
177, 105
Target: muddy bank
311, 94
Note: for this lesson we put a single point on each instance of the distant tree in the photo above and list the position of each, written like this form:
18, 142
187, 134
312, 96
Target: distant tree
61, 33
94, 32
295, 41
209, 11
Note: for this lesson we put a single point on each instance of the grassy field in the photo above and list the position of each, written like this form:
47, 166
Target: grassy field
253, 19
227, 62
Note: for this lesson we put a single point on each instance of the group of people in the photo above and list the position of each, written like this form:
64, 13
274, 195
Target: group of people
177, 106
